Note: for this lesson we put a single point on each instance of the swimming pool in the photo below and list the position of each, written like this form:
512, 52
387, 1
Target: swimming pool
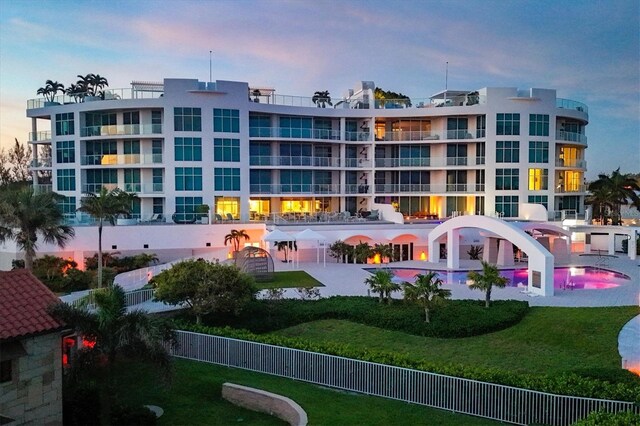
573, 278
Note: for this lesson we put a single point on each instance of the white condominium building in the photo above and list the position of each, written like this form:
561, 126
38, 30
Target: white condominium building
249, 153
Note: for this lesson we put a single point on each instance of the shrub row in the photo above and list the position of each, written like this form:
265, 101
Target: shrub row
453, 319
563, 384
603, 418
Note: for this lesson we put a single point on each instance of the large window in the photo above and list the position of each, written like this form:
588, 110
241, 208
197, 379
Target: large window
296, 127
538, 125
226, 179
187, 119
481, 126
260, 181
507, 151
186, 207
538, 152
65, 152
456, 180
157, 181
540, 199
97, 178
64, 124
456, 154
508, 124
414, 155
226, 120
132, 180
188, 178
67, 206
226, 149
260, 153
158, 206
100, 153
295, 180
66, 179
507, 179
188, 149
538, 179
260, 125
295, 154
156, 122
507, 205
457, 128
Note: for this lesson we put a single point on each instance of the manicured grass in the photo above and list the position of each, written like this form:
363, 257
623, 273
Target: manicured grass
547, 341
194, 399
290, 279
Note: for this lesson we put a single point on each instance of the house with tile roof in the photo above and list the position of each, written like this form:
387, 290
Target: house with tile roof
30, 352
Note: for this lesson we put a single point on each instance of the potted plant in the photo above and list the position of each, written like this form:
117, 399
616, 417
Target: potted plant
203, 213
321, 99
49, 92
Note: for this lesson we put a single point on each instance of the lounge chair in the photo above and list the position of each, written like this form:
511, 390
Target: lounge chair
230, 217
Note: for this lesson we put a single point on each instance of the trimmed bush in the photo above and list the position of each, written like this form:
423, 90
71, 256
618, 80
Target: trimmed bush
603, 418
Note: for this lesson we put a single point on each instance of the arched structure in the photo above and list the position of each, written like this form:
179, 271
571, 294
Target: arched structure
541, 262
256, 262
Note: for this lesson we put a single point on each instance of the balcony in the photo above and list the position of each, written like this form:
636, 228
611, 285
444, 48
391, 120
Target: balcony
281, 132
430, 188
403, 162
109, 95
562, 189
144, 188
569, 104
40, 162
357, 136
44, 136
42, 188
121, 130
258, 160
310, 189
580, 138
397, 188
357, 162
120, 159
95, 187
427, 135
572, 163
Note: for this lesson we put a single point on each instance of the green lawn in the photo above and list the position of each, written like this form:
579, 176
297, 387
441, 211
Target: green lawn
547, 340
290, 279
194, 399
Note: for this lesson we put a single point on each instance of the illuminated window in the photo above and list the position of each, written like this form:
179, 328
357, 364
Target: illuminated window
538, 179
295, 206
229, 205
259, 208
569, 156
572, 181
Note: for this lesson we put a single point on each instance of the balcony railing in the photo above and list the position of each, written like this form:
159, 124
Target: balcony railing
426, 135
44, 136
259, 160
41, 162
282, 132
403, 162
357, 162
395, 188
121, 130
431, 188
569, 104
109, 95
579, 164
42, 187
118, 159
294, 188
95, 187
567, 189
357, 136
571, 137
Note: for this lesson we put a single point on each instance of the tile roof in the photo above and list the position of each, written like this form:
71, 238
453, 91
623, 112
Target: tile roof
23, 305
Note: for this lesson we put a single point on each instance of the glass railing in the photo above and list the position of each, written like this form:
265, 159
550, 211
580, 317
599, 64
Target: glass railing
403, 162
282, 132
573, 188
294, 189
457, 161
109, 95
357, 162
121, 129
39, 188
580, 164
399, 188
95, 187
119, 159
571, 136
425, 135
41, 162
357, 136
40, 136
570, 104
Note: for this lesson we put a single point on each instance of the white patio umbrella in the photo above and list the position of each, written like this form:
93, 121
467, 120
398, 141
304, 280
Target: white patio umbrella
311, 235
277, 235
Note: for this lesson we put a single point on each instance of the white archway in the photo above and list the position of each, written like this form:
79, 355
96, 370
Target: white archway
541, 261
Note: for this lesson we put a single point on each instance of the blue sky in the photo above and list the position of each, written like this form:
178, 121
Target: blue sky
588, 50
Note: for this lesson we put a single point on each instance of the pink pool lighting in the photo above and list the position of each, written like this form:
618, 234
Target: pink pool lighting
574, 278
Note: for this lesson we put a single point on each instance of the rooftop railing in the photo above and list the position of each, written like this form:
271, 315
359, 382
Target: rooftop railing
571, 104
109, 94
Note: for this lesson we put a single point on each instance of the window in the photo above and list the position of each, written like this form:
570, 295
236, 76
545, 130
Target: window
100, 123
230, 205
132, 180
295, 154
570, 157
414, 155
539, 199
260, 153
457, 128
156, 150
456, 180
131, 149
186, 207
100, 153
456, 204
538, 179
259, 125
456, 154
295, 180
480, 152
188, 178
65, 152
538, 152
158, 206
226, 179
65, 124
6, 371
226, 120
66, 179
296, 127
131, 117
507, 151
507, 179
226, 149
260, 181
481, 126
508, 124
157, 180
570, 181
538, 125
97, 178
507, 205
480, 180
156, 121
67, 207
188, 149
187, 119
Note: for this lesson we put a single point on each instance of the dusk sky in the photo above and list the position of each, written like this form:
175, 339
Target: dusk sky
588, 50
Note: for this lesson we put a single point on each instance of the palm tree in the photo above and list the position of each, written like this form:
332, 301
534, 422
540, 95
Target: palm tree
383, 250
25, 214
98, 82
286, 246
485, 280
381, 282
621, 189
113, 334
234, 238
76, 91
105, 207
427, 291
86, 83
600, 201
321, 99
362, 252
50, 89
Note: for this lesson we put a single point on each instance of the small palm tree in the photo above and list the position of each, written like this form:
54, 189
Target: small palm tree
486, 280
25, 214
427, 291
286, 247
99, 83
50, 90
106, 206
321, 99
234, 238
383, 250
362, 252
381, 282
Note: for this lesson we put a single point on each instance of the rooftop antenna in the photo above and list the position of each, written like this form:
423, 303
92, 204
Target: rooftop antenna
210, 53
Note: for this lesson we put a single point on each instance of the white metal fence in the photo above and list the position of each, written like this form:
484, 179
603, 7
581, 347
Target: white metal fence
497, 402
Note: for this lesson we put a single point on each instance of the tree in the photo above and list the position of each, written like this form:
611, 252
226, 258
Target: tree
205, 287
485, 280
362, 252
50, 90
340, 250
381, 282
321, 99
427, 291
475, 252
105, 207
619, 189
24, 215
234, 238
98, 83
382, 250
286, 247
386, 95
600, 202
14, 164
113, 334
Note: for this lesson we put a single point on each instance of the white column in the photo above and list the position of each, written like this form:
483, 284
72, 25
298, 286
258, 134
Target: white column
434, 251
505, 253
453, 249
611, 239
633, 246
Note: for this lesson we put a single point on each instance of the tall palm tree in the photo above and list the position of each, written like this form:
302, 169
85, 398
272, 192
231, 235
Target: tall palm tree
106, 206
381, 282
427, 291
234, 238
98, 82
24, 215
113, 334
85, 81
321, 98
486, 280
50, 90
622, 189
600, 202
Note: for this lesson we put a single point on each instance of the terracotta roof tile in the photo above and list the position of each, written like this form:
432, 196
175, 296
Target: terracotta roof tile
23, 305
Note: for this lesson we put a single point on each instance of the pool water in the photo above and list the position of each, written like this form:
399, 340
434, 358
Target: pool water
574, 278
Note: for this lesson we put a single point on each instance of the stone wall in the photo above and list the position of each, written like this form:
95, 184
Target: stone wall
265, 402
34, 396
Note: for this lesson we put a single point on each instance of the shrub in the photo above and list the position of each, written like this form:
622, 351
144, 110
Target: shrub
603, 418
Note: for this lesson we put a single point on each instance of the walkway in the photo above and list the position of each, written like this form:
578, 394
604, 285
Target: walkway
629, 345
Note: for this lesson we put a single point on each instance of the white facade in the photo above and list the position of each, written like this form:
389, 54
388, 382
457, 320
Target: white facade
251, 153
